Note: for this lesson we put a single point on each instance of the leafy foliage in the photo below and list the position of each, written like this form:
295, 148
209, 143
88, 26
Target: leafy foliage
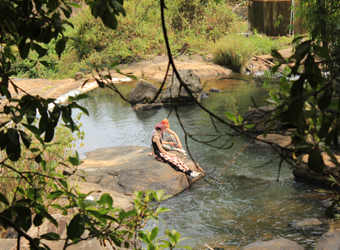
323, 13
35, 155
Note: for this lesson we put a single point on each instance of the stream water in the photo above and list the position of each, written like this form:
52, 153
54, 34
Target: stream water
232, 206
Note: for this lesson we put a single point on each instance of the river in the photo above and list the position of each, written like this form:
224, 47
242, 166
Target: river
235, 204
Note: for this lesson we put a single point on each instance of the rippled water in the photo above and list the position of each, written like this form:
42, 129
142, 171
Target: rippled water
233, 205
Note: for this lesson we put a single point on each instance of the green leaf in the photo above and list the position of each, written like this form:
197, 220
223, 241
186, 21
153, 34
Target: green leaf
23, 219
115, 4
144, 237
123, 214
330, 136
38, 219
302, 49
33, 129
3, 199
40, 50
38, 159
109, 19
276, 54
26, 139
24, 48
75, 105
106, 199
315, 161
159, 194
162, 210
154, 233
13, 135
50, 236
325, 99
75, 5
60, 46
49, 133
75, 160
55, 194
76, 227
231, 116
45, 63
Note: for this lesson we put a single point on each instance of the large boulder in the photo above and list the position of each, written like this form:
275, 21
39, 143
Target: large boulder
303, 173
278, 244
329, 241
191, 80
127, 169
143, 92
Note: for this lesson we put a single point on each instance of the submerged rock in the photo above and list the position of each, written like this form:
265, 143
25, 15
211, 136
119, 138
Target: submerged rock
310, 224
278, 244
216, 90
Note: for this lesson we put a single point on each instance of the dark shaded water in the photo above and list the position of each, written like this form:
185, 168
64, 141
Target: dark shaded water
233, 206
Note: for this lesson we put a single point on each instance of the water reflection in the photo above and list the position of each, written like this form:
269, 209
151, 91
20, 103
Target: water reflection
235, 204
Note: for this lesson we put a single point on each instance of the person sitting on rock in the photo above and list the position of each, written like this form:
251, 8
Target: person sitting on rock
171, 142
166, 157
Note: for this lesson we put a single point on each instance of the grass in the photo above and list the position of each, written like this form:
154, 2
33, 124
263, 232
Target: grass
234, 51
139, 36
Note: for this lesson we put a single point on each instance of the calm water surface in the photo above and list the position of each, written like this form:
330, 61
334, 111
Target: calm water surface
233, 205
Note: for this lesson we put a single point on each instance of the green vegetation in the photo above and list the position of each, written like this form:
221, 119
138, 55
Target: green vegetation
324, 15
202, 24
36, 159
234, 51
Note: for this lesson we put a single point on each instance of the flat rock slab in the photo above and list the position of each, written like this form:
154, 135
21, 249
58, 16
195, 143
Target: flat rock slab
278, 244
129, 168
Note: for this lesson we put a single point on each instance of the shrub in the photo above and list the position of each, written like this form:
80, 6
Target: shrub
232, 52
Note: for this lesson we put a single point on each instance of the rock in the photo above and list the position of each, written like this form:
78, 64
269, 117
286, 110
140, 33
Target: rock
216, 90
79, 75
171, 94
204, 95
303, 173
329, 241
11, 234
311, 224
6, 244
142, 106
143, 92
280, 140
278, 244
256, 116
124, 170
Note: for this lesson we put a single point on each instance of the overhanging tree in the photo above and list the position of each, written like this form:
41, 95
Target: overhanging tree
28, 131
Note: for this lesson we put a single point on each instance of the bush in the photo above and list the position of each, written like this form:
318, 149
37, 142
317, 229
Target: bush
233, 52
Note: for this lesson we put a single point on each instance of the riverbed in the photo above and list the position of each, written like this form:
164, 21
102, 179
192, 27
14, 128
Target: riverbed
235, 204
